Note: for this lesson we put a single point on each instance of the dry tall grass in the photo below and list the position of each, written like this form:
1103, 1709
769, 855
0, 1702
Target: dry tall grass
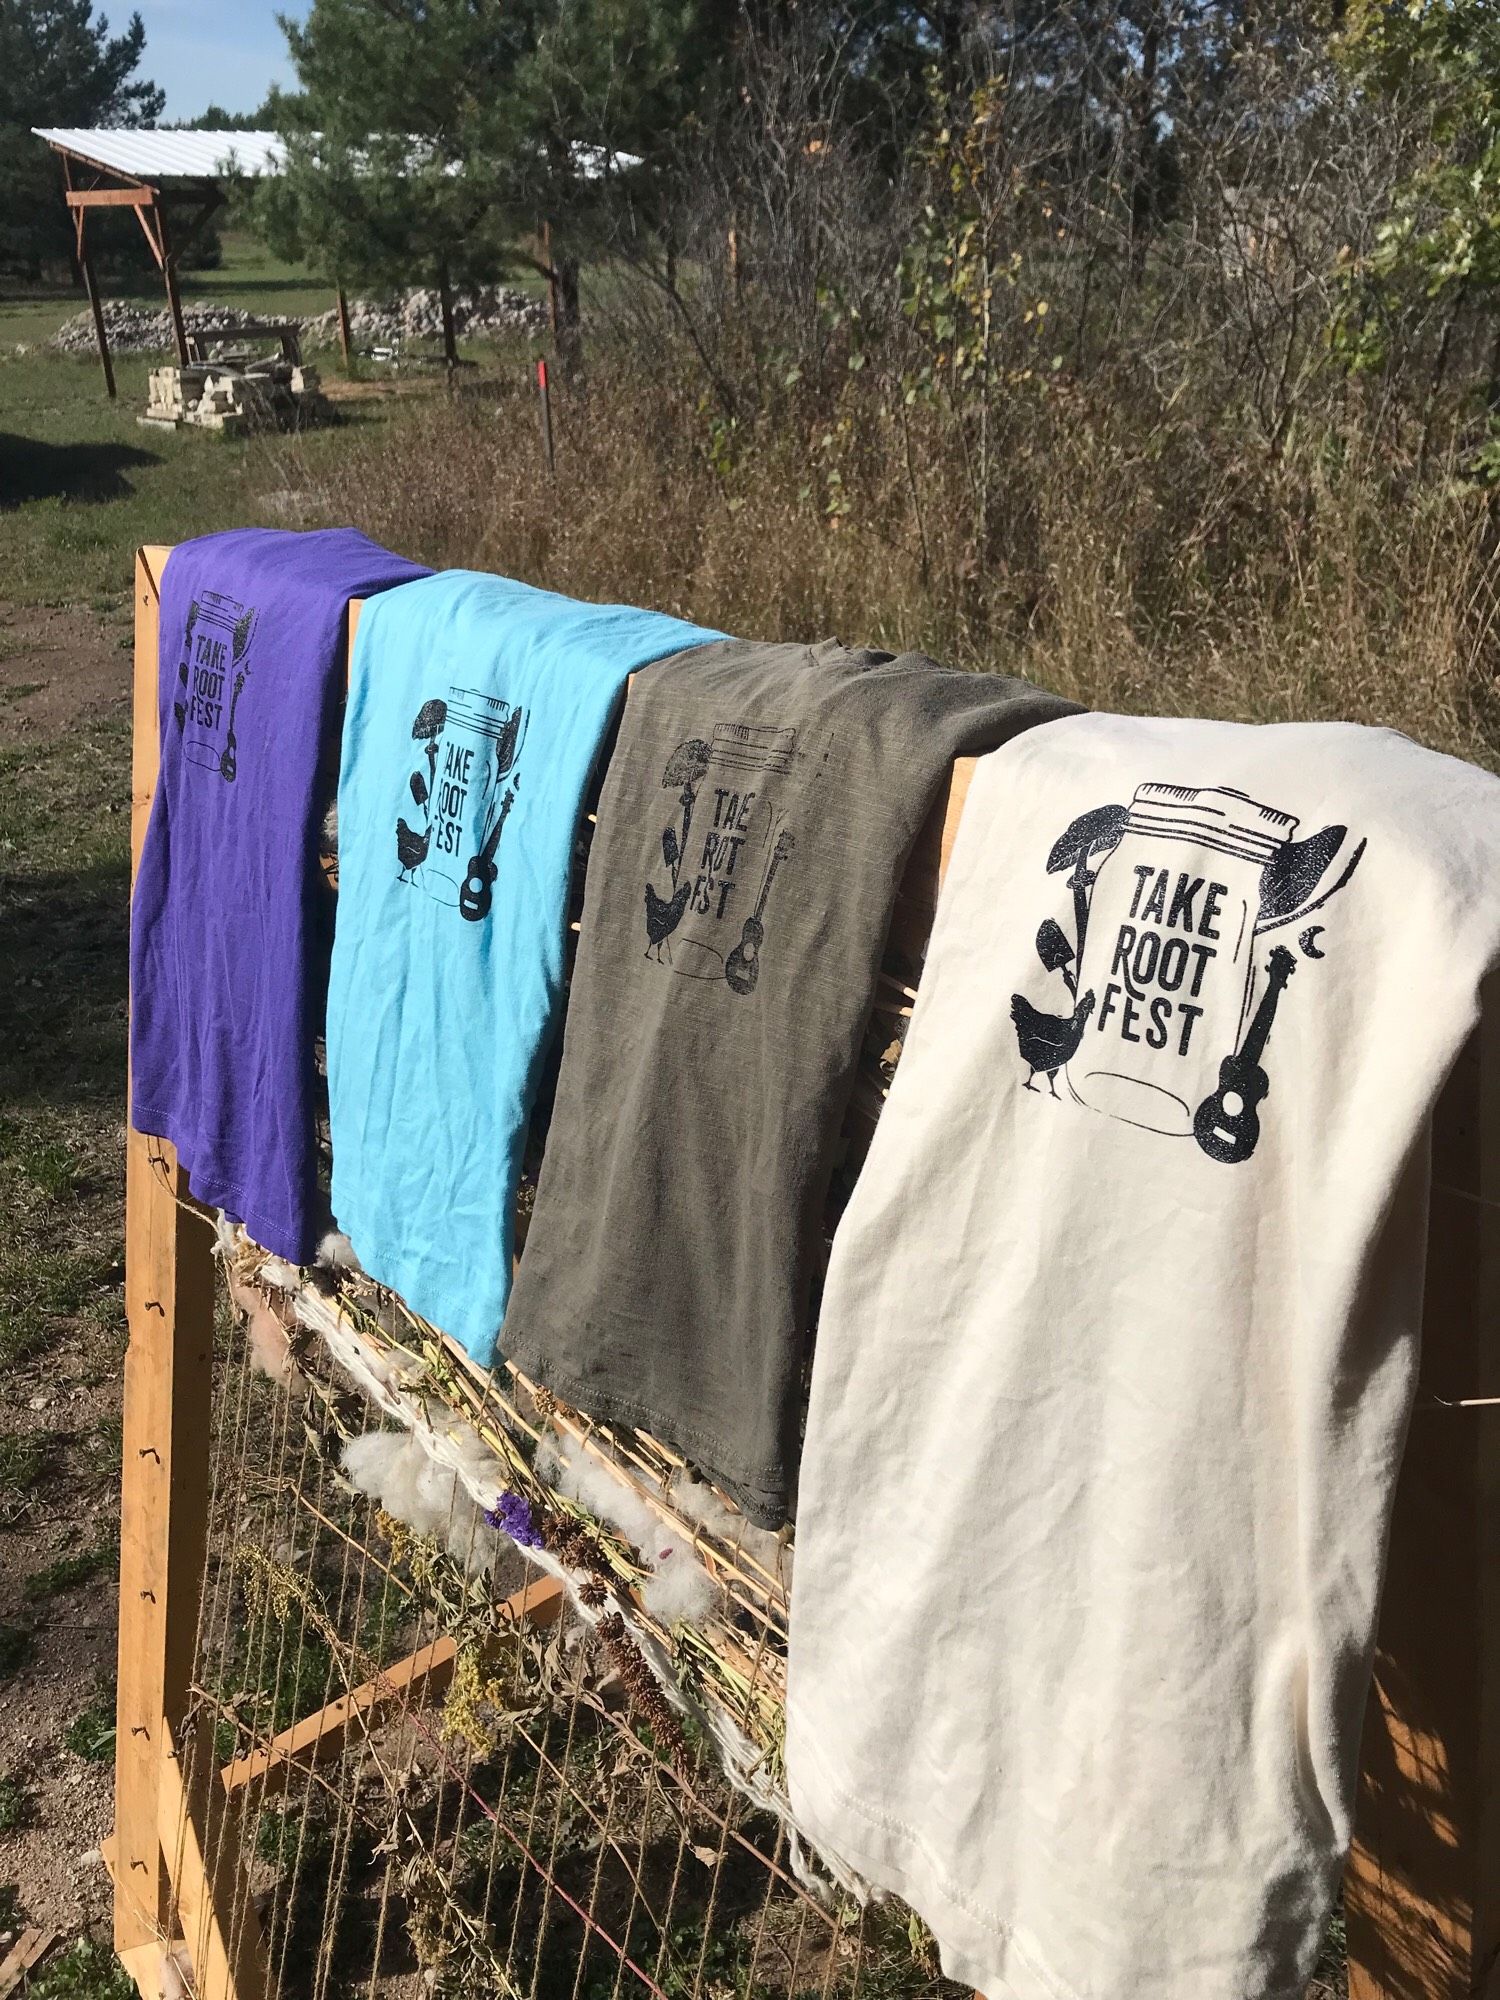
1144, 567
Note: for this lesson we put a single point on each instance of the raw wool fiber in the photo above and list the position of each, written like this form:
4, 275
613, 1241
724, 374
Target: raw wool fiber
394, 1470
697, 1502
336, 1253
679, 1586
722, 1674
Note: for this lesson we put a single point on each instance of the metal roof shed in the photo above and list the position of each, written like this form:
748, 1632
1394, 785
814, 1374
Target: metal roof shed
160, 175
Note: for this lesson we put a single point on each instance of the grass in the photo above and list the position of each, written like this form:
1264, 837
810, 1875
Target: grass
69, 1571
15, 1805
91, 1733
87, 1970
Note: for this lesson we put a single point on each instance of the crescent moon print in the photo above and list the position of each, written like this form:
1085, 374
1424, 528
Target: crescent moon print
1164, 1001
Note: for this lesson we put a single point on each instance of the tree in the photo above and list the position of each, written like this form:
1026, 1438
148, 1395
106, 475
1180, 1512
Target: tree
428, 135
1436, 259
216, 119
58, 66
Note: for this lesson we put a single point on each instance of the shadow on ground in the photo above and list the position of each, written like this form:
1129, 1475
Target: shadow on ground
31, 470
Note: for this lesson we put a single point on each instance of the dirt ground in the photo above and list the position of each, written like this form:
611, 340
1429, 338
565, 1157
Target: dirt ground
64, 705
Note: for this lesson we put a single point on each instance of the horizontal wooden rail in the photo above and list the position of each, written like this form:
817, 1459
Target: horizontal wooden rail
423, 1675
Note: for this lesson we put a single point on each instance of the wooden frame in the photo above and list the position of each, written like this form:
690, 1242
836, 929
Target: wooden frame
1422, 1892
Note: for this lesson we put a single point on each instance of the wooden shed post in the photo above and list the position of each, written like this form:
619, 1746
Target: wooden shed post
1422, 1894
90, 282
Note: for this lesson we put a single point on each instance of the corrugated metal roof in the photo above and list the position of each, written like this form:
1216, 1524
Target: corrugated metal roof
153, 156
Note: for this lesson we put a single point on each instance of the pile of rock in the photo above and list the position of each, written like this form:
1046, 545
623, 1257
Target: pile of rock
134, 330
235, 394
478, 315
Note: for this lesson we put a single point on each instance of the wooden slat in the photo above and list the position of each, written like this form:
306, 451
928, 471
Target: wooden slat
143, 1963
169, 1302
133, 197
219, 1923
164, 1473
28, 1950
422, 1676
1422, 1893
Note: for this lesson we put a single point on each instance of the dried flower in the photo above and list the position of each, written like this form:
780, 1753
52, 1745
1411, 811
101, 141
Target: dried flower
511, 1514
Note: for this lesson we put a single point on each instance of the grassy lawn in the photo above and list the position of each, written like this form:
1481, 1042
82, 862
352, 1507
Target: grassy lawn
82, 483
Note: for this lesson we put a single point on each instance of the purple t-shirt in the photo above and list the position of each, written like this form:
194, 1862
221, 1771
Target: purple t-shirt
228, 933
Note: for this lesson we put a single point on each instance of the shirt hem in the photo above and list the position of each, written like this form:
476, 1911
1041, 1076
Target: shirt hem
761, 1504
974, 1944
213, 1190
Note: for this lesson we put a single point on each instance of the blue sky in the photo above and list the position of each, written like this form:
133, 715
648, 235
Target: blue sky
211, 51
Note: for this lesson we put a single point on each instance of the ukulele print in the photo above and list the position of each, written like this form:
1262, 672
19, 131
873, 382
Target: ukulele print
478, 891
742, 967
1226, 1125
730, 805
1169, 897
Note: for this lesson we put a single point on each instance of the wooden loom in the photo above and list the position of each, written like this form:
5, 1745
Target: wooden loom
1422, 1894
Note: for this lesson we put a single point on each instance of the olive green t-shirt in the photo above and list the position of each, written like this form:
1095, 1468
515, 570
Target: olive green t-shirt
752, 831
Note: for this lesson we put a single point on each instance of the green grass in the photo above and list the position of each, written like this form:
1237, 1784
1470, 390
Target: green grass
81, 1566
87, 1970
91, 1733
14, 1805
22, 1461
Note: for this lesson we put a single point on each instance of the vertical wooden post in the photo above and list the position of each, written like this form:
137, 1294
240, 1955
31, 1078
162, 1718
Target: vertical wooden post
169, 1303
90, 283
342, 304
1422, 1894
169, 274
450, 335
169, 1299
91, 286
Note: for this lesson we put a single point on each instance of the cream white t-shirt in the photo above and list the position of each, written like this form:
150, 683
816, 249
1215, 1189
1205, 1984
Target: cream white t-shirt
1118, 1346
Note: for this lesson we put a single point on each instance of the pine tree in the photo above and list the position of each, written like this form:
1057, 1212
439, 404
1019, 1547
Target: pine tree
58, 66
429, 136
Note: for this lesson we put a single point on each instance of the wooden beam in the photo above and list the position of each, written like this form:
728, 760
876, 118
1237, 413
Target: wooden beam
423, 1676
143, 1963
220, 1927
1422, 1894
342, 305
90, 283
169, 274
131, 197
169, 1298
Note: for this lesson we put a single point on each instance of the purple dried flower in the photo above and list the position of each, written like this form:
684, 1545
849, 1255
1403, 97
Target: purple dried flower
511, 1514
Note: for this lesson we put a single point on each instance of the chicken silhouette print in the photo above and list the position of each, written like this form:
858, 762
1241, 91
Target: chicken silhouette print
727, 812
1167, 1004
462, 790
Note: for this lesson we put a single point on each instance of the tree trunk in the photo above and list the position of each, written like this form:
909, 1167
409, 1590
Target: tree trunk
1143, 163
450, 333
569, 315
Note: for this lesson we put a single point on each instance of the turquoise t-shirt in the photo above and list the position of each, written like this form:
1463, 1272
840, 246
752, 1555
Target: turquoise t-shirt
477, 708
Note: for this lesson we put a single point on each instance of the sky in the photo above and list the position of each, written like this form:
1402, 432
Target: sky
225, 52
